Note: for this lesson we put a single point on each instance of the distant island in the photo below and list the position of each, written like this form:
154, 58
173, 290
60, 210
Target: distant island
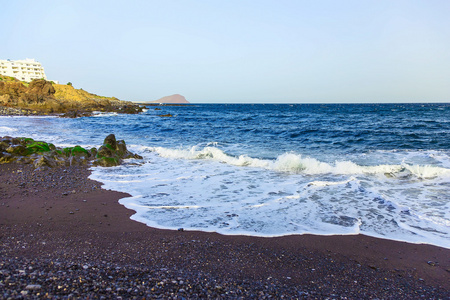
173, 99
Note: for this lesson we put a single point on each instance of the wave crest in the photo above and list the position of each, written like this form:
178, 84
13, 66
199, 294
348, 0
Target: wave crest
297, 163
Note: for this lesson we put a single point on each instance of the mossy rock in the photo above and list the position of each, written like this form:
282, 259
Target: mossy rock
45, 161
105, 151
3, 146
40, 147
75, 151
110, 140
79, 151
67, 151
109, 147
26, 141
106, 162
18, 150
121, 148
93, 152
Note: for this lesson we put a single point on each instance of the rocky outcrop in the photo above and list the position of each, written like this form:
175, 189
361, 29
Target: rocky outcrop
39, 95
112, 152
45, 97
46, 155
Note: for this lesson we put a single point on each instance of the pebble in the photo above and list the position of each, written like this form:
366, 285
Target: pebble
33, 287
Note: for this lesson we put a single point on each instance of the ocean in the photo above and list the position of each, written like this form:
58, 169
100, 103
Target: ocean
381, 170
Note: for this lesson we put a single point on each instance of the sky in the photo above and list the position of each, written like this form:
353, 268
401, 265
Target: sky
238, 51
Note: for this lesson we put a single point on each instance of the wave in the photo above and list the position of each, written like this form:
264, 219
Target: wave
104, 114
299, 164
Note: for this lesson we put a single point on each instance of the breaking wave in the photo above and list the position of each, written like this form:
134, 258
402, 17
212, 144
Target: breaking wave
299, 164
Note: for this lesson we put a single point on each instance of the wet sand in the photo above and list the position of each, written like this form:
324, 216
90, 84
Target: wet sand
61, 235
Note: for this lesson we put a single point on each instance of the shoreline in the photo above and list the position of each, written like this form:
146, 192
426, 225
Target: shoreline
60, 221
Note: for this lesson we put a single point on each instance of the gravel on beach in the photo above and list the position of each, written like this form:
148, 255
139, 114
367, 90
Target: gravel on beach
63, 237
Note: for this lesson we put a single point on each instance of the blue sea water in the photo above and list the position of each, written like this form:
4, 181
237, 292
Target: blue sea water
276, 169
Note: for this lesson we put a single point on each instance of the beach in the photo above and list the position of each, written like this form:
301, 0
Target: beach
62, 235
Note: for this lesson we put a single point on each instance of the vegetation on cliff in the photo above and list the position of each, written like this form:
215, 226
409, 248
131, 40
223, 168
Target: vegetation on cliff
46, 97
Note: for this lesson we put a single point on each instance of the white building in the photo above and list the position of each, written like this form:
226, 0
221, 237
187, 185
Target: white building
24, 70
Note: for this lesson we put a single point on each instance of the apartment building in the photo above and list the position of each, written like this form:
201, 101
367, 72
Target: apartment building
24, 70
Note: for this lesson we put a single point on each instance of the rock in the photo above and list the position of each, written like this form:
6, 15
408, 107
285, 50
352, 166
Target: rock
77, 161
45, 161
3, 146
137, 156
6, 158
39, 147
111, 140
41, 87
93, 152
106, 162
104, 151
121, 147
17, 150
79, 151
43, 155
76, 114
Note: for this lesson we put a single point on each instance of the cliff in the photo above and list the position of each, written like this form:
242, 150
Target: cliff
45, 97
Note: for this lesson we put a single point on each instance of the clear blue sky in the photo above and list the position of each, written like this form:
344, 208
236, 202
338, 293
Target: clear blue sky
238, 51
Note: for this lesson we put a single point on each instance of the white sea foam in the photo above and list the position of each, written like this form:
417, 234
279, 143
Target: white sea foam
424, 172
206, 189
7, 130
104, 114
295, 163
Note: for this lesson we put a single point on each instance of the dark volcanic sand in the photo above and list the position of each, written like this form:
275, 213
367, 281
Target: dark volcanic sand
62, 236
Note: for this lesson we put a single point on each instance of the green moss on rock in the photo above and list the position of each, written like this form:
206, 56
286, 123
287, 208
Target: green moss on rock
39, 147
106, 162
26, 141
79, 151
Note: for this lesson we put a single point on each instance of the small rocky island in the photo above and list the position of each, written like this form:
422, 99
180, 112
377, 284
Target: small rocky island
45, 155
172, 99
41, 97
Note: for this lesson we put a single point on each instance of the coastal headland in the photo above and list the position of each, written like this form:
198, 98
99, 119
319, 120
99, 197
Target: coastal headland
62, 235
41, 97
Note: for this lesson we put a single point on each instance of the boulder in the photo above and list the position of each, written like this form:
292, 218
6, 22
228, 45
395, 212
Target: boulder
111, 140
106, 162
79, 152
3, 146
104, 151
45, 161
41, 87
78, 161
17, 150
